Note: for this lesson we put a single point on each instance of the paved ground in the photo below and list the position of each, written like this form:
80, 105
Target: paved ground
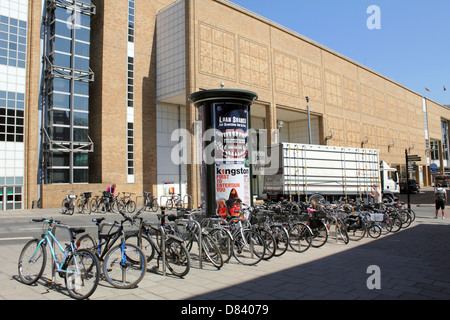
411, 264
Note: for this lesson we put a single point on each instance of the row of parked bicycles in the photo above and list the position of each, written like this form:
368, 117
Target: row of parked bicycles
120, 251
107, 202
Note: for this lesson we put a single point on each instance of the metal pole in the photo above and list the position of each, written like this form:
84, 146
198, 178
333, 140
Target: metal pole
407, 176
309, 119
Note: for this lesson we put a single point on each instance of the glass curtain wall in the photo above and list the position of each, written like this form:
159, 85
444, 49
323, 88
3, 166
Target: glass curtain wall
67, 75
13, 50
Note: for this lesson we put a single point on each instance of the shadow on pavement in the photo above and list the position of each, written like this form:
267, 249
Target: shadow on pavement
414, 264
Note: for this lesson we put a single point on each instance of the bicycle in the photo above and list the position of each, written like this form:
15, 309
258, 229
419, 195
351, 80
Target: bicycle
80, 268
174, 201
170, 249
150, 201
124, 264
68, 203
102, 203
190, 231
83, 203
129, 203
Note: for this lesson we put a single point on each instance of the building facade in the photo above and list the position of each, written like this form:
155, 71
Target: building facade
92, 91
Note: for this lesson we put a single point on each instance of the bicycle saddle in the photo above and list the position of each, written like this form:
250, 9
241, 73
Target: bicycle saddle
77, 230
98, 220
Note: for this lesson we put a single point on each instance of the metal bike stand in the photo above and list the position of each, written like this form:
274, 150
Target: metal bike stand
200, 245
54, 227
163, 245
52, 243
206, 221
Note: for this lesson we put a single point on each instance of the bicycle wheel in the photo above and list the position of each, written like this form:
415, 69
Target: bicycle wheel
269, 241
356, 234
32, 262
154, 205
86, 241
142, 242
281, 239
64, 206
300, 237
374, 231
83, 274
396, 223
169, 204
79, 205
342, 232
177, 257
248, 247
94, 204
406, 218
124, 266
179, 204
320, 234
223, 239
211, 251
131, 206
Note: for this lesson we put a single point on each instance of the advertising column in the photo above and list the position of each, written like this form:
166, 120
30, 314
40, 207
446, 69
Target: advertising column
226, 179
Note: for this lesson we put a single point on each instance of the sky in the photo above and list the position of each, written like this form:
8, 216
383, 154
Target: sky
408, 40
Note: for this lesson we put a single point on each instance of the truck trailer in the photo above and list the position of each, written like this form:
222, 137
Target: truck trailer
332, 172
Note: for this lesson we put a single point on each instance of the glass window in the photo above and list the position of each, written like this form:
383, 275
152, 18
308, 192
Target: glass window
58, 175
56, 159
60, 100
80, 159
81, 87
81, 64
62, 44
62, 29
81, 119
80, 175
82, 34
60, 133
61, 60
81, 103
80, 135
64, 14
82, 49
60, 84
60, 117
83, 20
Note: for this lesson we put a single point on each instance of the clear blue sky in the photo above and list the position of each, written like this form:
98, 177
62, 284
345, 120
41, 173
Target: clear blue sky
412, 46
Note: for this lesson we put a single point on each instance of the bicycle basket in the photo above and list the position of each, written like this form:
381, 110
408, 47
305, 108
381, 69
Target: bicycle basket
87, 195
376, 216
258, 218
107, 194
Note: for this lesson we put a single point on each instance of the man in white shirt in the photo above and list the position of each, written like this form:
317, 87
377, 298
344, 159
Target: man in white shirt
440, 197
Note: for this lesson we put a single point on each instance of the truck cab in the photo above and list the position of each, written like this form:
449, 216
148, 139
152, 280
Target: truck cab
389, 182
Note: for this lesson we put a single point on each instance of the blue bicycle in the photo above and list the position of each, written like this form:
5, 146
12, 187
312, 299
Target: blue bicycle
80, 268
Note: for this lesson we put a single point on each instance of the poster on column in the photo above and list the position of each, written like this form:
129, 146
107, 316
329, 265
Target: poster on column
231, 158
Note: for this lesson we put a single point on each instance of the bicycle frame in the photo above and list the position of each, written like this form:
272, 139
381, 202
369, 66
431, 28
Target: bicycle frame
49, 237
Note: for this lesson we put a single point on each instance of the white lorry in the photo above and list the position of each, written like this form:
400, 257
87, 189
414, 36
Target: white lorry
333, 172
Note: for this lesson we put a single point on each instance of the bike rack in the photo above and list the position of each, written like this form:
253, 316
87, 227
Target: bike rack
160, 200
163, 244
54, 227
205, 223
200, 244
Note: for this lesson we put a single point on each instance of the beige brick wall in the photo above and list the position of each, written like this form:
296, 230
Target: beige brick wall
284, 67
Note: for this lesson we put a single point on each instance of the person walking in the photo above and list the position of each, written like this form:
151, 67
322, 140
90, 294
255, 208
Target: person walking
440, 198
